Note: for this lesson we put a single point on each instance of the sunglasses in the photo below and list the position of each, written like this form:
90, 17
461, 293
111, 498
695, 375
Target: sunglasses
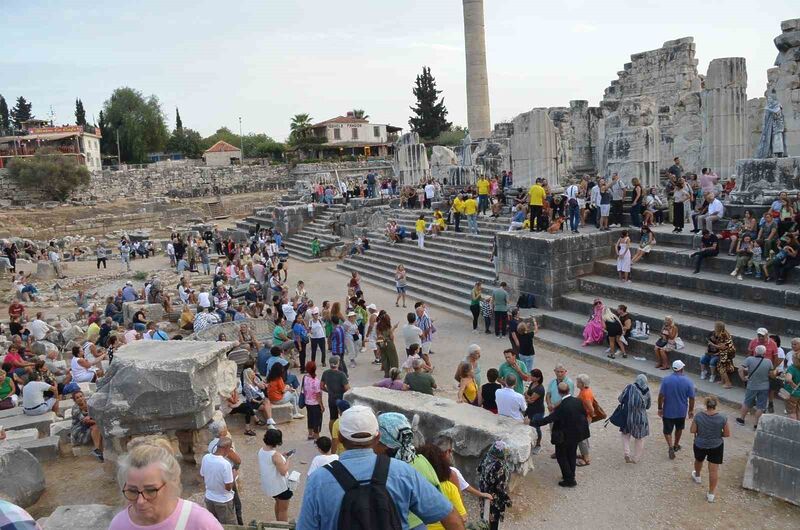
149, 494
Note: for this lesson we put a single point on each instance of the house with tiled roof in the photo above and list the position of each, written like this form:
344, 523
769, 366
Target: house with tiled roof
222, 154
351, 136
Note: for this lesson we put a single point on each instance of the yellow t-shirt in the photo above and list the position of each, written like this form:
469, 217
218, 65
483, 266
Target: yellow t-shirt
537, 195
458, 205
470, 207
335, 436
483, 187
420, 226
451, 493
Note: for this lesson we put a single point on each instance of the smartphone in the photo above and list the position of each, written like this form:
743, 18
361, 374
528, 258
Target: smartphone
290, 453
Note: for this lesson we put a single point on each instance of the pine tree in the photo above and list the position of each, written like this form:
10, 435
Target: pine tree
80, 113
178, 122
21, 112
4, 123
430, 119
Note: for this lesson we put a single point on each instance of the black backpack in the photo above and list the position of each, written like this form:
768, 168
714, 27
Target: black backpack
366, 505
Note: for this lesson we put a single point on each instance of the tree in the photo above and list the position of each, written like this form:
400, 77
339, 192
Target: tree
185, 141
140, 123
255, 145
300, 125
4, 122
21, 112
50, 173
360, 113
178, 122
80, 113
430, 119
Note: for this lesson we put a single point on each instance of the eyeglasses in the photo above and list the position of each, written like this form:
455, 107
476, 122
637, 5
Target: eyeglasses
149, 494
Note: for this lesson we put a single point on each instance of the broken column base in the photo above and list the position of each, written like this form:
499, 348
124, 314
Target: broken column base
773, 466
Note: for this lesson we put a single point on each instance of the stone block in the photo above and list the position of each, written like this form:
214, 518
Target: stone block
21, 475
282, 413
154, 312
774, 463
61, 429
21, 435
473, 430
88, 388
42, 347
44, 449
41, 422
73, 333
16, 411
83, 516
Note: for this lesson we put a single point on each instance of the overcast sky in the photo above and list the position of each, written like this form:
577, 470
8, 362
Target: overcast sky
266, 60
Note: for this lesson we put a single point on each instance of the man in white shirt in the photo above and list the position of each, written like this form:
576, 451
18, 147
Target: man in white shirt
55, 259
38, 327
411, 333
573, 208
33, 400
714, 212
325, 457
430, 193
289, 311
595, 201
510, 403
217, 473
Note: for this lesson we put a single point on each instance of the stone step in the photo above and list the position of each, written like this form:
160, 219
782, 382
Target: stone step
783, 321
41, 422
410, 254
573, 344
16, 411
572, 323
44, 449
483, 239
449, 242
22, 435
708, 282
456, 256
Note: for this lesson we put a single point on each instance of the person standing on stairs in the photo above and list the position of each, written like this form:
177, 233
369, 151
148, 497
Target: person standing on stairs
618, 188
457, 210
573, 208
430, 193
680, 197
636, 205
623, 250
483, 194
536, 197
500, 305
420, 229
471, 211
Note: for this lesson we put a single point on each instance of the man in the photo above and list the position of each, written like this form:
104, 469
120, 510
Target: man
458, 210
708, 180
536, 196
755, 370
33, 401
335, 383
483, 194
552, 397
419, 380
471, 211
706, 220
430, 193
217, 473
515, 367
411, 333
510, 403
709, 247
617, 196
595, 199
370, 185
676, 391
771, 348
153, 333
38, 328
500, 304
676, 168
129, 293
125, 254
425, 324
359, 433
570, 427
204, 319
573, 209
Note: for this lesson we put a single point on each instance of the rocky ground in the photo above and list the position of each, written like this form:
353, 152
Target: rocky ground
656, 493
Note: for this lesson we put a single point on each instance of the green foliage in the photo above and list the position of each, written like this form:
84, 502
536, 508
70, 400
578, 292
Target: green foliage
140, 275
185, 141
255, 145
4, 121
21, 112
139, 121
360, 113
450, 138
178, 121
300, 126
80, 113
55, 175
430, 116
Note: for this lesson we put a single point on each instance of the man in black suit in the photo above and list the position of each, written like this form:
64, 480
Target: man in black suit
570, 427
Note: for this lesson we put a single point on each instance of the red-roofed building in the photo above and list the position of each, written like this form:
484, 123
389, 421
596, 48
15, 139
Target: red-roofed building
222, 154
351, 136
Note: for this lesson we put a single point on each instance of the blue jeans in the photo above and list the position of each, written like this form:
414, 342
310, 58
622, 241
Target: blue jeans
709, 360
574, 217
636, 215
483, 203
527, 360
473, 223
538, 429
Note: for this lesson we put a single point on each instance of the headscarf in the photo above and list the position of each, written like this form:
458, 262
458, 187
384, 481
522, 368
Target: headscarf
494, 474
641, 382
396, 433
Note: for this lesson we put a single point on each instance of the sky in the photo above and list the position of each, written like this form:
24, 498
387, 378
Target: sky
266, 60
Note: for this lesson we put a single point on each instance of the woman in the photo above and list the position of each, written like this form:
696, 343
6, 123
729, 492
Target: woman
785, 214
354, 283
440, 463
277, 391
274, 470
494, 474
84, 371
475, 305
709, 428
586, 395
749, 225
667, 343
300, 335
593, 332
647, 240
392, 382
525, 338
721, 353
613, 327
744, 255
680, 197
84, 429
186, 321
385, 339
605, 207
636, 398
467, 387
792, 386
8, 396
534, 397
313, 397
150, 479
623, 251
254, 400
652, 212
400, 284
636, 204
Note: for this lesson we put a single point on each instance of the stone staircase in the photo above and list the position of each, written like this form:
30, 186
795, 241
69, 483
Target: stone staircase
299, 244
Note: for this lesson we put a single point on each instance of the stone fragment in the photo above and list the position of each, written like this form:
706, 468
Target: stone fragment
43, 449
21, 435
153, 312
80, 516
21, 475
73, 333
41, 347
21, 421
773, 466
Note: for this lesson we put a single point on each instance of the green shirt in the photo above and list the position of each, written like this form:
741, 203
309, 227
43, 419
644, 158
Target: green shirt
420, 382
5, 387
500, 300
506, 369
795, 373
424, 468
276, 336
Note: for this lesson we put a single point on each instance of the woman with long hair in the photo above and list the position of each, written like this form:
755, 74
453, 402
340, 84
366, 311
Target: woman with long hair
613, 328
312, 394
467, 387
719, 356
400, 283
594, 332
475, 305
388, 352
667, 343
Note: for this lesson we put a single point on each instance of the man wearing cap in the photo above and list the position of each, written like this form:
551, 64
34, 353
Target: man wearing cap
362, 438
755, 371
129, 293
335, 383
676, 391
770, 347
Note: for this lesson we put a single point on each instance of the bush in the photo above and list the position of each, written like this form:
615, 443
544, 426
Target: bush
53, 175
140, 276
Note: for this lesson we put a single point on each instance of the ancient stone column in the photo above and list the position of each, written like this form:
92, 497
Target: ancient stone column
478, 120
535, 148
724, 104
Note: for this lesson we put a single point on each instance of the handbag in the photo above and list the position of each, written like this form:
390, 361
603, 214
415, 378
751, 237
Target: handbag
301, 399
679, 343
619, 418
661, 342
599, 413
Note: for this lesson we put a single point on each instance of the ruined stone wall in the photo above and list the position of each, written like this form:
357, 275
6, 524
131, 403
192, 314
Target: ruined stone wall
534, 148
784, 79
724, 102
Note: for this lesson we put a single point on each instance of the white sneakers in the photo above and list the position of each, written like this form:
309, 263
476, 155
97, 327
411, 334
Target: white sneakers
297, 416
696, 478
711, 378
703, 375
710, 497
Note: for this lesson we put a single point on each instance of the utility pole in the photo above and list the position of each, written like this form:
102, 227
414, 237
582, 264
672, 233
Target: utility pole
241, 142
119, 160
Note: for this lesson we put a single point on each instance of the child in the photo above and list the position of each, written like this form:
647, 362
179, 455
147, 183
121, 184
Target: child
315, 250
488, 390
325, 457
757, 261
744, 255
420, 229
732, 232
413, 354
486, 311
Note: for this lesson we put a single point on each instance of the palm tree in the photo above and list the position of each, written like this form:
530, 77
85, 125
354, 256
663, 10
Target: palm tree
300, 124
360, 113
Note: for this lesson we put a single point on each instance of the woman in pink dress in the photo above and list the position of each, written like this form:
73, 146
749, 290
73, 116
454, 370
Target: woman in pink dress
593, 333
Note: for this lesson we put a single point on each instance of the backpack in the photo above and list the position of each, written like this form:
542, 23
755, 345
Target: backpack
366, 506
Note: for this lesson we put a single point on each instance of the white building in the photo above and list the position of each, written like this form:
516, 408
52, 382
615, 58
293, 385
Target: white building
222, 154
348, 135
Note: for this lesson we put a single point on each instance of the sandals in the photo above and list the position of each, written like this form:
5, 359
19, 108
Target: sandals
611, 356
259, 422
250, 432
582, 463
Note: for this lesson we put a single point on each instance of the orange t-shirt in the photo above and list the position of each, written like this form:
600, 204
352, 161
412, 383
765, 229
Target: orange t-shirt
275, 389
587, 396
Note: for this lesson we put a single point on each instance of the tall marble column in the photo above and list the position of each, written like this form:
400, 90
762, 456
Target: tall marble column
724, 107
478, 119
534, 145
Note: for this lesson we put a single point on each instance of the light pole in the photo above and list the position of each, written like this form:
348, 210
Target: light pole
241, 142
